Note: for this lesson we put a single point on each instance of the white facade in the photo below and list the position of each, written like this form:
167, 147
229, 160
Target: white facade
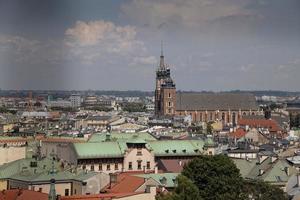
75, 100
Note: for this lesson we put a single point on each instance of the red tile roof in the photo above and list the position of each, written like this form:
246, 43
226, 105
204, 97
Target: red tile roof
270, 124
126, 182
19, 194
99, 196
239, 133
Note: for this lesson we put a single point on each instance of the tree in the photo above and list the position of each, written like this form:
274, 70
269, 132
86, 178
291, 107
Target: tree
258, 190
209, 128
185, 190
216, 177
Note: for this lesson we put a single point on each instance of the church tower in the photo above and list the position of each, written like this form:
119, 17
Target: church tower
165, 91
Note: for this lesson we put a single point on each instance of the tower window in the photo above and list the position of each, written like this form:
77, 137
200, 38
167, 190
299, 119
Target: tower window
169, 95
170, 104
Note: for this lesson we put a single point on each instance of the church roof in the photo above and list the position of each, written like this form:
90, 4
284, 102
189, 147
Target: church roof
215, 101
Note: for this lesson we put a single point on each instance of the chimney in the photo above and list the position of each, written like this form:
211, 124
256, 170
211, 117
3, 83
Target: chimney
287, 171
261, 172
298, 180
180, 163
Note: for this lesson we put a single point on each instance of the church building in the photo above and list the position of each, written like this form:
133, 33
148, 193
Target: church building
202, 107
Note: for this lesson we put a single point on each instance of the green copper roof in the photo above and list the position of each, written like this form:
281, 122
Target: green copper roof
96, 150
22, 166
245, 166
101, 137
176, 147
23, 171
166, 179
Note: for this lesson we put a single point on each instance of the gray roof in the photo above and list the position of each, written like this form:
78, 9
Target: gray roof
215, 101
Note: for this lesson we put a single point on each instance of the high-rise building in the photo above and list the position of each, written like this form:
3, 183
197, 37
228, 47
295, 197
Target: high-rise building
75, 100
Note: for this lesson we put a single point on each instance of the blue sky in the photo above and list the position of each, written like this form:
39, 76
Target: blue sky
115, 45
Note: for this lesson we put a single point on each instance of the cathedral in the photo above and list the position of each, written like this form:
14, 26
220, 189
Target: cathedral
202, 107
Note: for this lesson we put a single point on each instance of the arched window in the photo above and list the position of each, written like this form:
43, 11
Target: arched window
233, 118
223, 116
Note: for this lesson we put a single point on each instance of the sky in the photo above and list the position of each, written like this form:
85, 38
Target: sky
209, 45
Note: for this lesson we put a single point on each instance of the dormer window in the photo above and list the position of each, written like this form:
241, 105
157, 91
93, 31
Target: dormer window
167, 151
184, 150
174, 151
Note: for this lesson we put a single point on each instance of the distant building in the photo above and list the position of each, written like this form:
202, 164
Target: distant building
202, 107
75, 100
60, 103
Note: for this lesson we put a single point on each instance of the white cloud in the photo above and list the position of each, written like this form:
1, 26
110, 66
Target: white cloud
107, 42
178, 13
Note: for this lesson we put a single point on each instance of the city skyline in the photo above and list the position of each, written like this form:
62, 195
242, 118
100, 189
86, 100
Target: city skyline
115, 45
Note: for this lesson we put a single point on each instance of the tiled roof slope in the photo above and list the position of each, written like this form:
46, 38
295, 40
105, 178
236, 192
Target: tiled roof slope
215, 101
20, 194
100, 149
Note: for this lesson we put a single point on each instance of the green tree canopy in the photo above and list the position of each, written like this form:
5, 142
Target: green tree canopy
258, 190
216, 177
185, 190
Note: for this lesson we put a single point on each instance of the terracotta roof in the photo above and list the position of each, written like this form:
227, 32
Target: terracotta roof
108, 196
239, 133
19, 194
126, 182
270, 124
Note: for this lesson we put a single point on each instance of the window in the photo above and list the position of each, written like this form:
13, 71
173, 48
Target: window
170, 104
148, 165
75, 191
116, 166
130, 165
40, 189
92, 168
100, 167
108, 167
83, 167
66, 192
210, 116
139, 164
223, 116
169, 95
139, 152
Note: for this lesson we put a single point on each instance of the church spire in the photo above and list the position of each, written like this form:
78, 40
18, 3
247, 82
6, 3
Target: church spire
162, 59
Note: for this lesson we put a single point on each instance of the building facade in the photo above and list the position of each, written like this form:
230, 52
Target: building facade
202, 107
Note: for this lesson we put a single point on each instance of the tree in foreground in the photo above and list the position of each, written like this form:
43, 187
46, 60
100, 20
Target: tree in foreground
185, 190
258, 190
216, 177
